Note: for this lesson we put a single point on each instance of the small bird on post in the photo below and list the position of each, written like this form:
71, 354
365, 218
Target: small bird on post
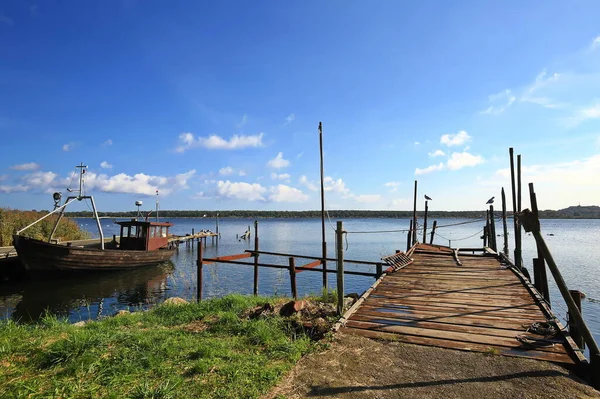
490, 201
427, 197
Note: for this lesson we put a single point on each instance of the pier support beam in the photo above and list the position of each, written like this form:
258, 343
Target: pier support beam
339, 234
255, 290
199, 273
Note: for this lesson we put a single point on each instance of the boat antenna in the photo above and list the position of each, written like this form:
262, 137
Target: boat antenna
157, 205
139, 213
82, 168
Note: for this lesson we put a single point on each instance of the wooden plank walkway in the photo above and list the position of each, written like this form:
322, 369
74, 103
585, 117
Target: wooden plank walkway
481, 305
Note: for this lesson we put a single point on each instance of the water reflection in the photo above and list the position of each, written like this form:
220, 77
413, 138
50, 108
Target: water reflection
85, 296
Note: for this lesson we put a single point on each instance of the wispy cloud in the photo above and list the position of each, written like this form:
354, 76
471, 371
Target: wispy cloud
299, 155
107, 143
8, 189
393, 186
26, 166
283, 193
307, 183
459, 160
228, 171
436, 153
429, 169
282, 176
68, 147
289, 119
500, 102
367, 198
214, 142
241, 190
242, 123
6, 20
583, 114
595, 43
105, 165
278, 162
455, 139
417, 143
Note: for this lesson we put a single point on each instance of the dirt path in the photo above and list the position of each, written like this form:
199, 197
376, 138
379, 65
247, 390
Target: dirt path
357, 367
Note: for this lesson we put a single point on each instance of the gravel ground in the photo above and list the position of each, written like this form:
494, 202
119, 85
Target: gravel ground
357, 367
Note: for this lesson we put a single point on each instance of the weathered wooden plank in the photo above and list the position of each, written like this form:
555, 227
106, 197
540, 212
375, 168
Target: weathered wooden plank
457, 345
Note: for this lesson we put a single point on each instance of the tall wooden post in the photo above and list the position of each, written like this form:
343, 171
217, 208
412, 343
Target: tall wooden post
217, 226
519, 246
339, 233
574, 330
409, 236
505, 247
425, 223
293, 278
255, 257
493, 230
539, 267
199, 273
514, 201
433, 232
414, 224
323, 240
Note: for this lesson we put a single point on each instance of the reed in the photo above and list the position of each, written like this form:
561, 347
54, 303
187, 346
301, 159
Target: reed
12, 220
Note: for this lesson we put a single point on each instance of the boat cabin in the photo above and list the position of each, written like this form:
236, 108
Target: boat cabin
143, 235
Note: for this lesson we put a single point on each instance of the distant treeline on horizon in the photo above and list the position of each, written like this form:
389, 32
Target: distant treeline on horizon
573, 212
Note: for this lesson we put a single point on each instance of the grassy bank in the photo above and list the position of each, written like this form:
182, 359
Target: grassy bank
13, 220
206, 350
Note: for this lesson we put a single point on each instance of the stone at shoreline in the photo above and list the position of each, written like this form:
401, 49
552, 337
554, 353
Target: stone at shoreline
292, 307
175, 301
122, 312
79, 323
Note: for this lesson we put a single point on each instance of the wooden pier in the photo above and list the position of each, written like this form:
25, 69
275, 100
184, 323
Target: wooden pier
458, 300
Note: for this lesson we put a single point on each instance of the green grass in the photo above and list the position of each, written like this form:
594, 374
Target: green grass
13, 220
201, 350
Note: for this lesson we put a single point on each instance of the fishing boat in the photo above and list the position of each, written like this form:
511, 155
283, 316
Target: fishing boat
141, 243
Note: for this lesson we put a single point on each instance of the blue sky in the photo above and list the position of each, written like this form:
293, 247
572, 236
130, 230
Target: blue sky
216, 104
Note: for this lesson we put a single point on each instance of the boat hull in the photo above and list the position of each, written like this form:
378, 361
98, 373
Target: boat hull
40, 256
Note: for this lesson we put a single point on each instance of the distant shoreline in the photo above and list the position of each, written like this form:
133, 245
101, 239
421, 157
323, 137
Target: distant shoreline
576, 212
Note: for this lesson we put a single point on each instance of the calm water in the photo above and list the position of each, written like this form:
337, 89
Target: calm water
99, 295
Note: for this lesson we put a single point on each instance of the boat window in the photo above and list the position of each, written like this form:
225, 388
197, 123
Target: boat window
152, 231
142, 231
163, 231
133, 231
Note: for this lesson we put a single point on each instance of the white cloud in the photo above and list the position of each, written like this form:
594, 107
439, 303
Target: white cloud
201, 195
68, 146
393, 185
336, 186
429, 169
417, 143
436, 153
241, 190
367, 198
39, 179
26, 166
583, 114
107, 143
459, 160
139, 183
278, 162
226, 171
105, 165
562, 184
595, 43
6, 189
214, 142
283, 193
282, 176
501, 101
299, 155
310, 185
289, 119
455, 139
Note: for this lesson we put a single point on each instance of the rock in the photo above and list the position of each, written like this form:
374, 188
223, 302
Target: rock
259, 311
175, 301
292, 307
79, 324
348, 302
122, 312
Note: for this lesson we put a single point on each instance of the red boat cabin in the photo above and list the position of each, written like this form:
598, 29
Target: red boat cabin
144, 236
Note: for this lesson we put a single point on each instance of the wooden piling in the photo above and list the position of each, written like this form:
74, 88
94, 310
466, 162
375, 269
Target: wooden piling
409, 236
433, 231
425, 223
532, 224
199, 273
519, 245
514, 201
379, 269
573, 327
486, 229
293, 278
541, 281
255, 290
414, 224
493, 243
323, 240
339, 233
504, 226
